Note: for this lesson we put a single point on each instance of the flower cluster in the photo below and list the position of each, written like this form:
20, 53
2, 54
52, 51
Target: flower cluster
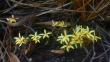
71, 41
80, 33
34, 37
68, 41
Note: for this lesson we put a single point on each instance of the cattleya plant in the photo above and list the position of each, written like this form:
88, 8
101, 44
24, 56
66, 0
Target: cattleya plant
68, 41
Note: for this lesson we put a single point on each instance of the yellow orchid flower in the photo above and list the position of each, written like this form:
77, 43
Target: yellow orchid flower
46, 34
59, 23
67, 47
20, 40
12, 19
35, 37
64, 38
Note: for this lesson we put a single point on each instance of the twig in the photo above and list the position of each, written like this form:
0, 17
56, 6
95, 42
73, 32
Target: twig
99, 8
46, 8
9, 9
102, 54
64, 10
29, 28
106, 55
102, 7
31, 5
87, 55
94, 11
53, 10
7, 1
100, 29
94, 53
4, 48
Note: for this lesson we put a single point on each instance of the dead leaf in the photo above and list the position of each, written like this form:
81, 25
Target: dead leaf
57, 51
13, 57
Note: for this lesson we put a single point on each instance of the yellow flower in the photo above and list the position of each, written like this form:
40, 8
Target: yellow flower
46, 34
67, 47
12, 19
59, 23
77, 38
54, 23
77, 35
64, 38
20, 40
77, 29
35, 37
